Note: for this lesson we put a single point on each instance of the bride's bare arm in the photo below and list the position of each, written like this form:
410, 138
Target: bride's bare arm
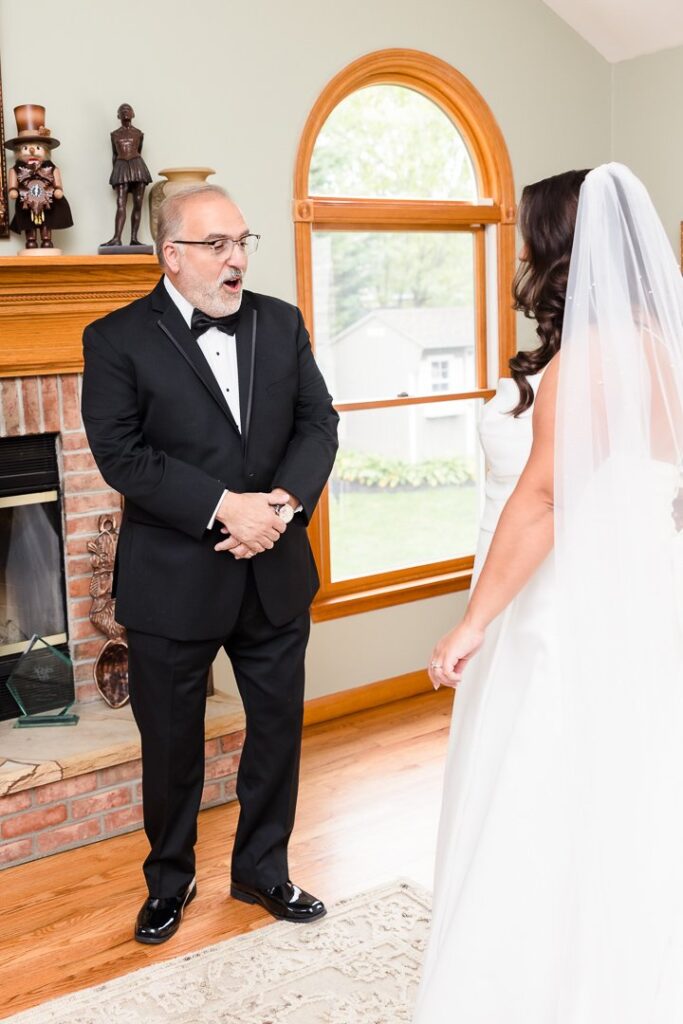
523, 538
524, 534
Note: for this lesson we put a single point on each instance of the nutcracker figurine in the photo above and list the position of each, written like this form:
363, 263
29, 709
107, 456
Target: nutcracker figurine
34, 181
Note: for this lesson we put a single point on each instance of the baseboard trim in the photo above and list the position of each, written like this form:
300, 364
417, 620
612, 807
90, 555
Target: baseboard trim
361, 698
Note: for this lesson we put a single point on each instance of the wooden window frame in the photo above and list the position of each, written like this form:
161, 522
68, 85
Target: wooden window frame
472, 117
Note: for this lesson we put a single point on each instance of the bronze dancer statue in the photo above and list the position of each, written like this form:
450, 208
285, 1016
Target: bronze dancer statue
130, 174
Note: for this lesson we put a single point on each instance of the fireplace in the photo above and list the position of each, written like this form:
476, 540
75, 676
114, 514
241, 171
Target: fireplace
32, 579
60, 788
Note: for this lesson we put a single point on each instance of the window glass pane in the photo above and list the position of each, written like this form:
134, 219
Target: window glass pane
405, 489
394, 312
390, 142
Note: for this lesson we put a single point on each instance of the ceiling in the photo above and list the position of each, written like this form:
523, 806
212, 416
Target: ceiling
621, 29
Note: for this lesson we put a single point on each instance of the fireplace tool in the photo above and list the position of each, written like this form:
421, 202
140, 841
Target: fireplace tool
111, 666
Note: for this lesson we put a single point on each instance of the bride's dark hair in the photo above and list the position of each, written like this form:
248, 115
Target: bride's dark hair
547, 218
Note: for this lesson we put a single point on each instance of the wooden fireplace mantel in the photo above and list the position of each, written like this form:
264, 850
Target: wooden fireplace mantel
46, 301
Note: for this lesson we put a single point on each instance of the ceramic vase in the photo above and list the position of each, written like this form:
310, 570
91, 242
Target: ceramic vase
176, 178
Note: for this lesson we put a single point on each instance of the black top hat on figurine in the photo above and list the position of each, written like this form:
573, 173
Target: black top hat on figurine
35, 182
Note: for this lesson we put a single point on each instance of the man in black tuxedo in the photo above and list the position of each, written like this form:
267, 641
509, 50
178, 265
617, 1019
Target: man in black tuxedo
204, 407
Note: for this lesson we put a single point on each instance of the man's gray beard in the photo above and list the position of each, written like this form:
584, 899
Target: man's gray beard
212, 299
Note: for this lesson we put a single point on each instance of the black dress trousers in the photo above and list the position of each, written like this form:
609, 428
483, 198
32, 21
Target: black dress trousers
168, 695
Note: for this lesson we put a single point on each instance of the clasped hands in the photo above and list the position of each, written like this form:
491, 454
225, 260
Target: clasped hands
250, 522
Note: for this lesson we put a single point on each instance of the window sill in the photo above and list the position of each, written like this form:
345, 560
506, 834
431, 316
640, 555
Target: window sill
335, 606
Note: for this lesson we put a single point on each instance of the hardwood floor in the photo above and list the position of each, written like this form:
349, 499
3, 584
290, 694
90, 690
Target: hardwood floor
368, 809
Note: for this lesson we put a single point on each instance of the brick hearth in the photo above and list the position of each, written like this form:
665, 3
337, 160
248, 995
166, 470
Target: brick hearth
78, 785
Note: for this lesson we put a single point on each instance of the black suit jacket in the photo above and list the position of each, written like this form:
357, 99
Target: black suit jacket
162, 434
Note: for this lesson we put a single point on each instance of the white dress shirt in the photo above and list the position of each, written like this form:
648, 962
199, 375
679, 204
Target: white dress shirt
220, 352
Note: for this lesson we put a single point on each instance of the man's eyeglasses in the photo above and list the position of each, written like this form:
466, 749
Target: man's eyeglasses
224, 246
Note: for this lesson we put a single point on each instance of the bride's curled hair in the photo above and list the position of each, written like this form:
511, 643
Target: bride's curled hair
547, 218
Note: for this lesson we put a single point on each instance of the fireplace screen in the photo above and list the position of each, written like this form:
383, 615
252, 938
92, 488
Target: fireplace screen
31, 575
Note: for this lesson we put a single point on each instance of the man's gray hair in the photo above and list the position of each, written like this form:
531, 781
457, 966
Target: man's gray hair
170, 218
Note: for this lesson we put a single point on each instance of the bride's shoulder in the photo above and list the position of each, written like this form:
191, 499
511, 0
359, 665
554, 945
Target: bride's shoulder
546, 389
549, 371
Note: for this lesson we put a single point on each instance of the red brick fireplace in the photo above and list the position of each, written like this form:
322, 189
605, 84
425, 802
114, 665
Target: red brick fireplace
39, 405
62, 787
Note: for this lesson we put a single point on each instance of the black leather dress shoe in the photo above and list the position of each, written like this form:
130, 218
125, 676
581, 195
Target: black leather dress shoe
159, 919
287, 901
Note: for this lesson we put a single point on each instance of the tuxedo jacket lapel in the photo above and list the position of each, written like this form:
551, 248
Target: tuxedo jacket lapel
181, 337
246, 356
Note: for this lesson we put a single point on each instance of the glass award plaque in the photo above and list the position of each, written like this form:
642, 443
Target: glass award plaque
43, 681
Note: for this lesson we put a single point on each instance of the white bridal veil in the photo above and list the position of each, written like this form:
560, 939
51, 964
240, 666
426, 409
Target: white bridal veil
619, 446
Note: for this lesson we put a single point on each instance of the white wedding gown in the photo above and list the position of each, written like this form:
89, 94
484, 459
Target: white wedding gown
504, 932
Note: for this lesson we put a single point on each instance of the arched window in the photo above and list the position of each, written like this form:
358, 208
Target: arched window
405, 239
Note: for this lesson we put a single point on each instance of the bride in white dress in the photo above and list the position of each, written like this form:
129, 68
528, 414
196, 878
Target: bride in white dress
559, 877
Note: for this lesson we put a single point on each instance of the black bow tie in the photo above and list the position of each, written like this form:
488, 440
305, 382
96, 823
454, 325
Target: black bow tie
202, 322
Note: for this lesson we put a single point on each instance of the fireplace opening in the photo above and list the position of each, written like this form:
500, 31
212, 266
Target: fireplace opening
32, 579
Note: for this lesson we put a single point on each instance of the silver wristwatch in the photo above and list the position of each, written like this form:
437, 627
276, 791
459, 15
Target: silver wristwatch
285, 512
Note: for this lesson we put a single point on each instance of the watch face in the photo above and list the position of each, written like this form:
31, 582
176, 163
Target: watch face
286, 513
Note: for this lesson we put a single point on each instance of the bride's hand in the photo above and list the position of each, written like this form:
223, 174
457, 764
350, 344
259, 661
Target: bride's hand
452, 653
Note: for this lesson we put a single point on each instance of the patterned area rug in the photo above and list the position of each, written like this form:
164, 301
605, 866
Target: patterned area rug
359, 965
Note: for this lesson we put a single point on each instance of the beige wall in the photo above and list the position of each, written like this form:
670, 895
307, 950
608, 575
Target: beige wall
230, 85
361, 649
646, 132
